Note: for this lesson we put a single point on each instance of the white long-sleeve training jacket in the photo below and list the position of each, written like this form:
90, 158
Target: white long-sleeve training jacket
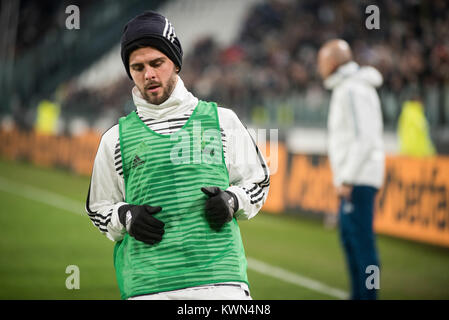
248, 172
355, 126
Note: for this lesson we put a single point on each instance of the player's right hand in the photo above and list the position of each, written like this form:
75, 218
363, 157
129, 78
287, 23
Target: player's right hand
140, 223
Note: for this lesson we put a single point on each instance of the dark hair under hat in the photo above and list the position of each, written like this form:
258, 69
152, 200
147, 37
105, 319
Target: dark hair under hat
150, 29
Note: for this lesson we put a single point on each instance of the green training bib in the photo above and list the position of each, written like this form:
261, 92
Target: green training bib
169, 171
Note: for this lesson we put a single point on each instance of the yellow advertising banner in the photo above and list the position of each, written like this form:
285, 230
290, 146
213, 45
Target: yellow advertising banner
413, 203
75, 153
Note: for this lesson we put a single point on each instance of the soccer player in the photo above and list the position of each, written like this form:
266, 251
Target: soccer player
356, 155
170, 180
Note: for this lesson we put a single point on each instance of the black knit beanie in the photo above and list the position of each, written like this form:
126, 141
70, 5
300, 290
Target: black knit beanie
153, 30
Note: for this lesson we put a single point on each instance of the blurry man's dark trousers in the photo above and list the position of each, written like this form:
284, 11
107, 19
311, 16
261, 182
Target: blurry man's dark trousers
357, 236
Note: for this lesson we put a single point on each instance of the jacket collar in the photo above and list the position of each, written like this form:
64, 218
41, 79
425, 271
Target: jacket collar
179, 102
340, 74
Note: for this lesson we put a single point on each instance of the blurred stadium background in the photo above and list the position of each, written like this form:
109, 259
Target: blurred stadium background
60, 89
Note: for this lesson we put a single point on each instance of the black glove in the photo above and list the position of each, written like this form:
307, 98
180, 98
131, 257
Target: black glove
140, 223
220, 207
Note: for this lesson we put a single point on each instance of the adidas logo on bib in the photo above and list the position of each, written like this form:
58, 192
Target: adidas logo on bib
137, 162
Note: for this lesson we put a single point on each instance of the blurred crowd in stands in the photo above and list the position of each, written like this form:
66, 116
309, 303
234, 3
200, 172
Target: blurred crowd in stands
274, 57
38, 18
275, 54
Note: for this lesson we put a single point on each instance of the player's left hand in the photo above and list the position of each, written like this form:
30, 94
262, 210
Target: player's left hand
220, 207
344, 191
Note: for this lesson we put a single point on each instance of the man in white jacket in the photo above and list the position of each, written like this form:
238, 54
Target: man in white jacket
356, 156
171, 179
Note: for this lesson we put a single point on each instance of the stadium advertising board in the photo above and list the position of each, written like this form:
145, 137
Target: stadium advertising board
413, 203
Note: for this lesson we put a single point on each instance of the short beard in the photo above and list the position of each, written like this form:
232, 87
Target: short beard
167, 91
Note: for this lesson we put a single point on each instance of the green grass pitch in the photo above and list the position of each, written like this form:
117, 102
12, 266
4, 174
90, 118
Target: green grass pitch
38, 241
